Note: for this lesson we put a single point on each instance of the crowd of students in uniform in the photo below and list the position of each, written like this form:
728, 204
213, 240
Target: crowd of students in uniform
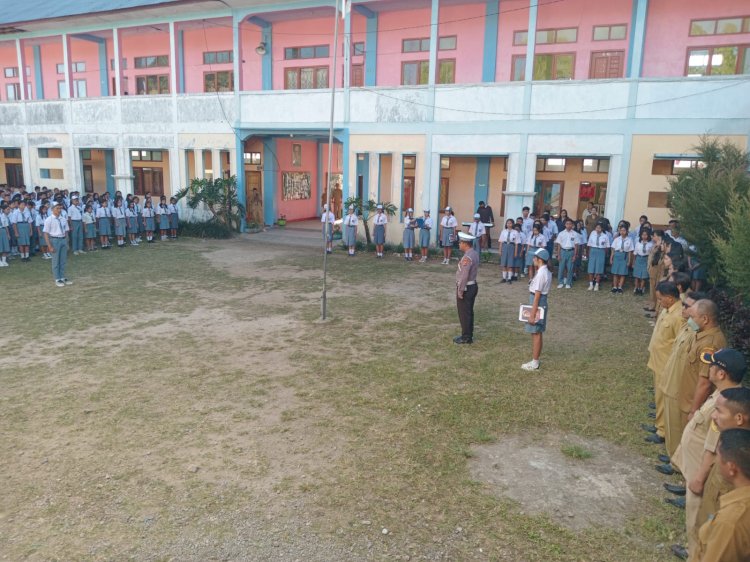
94, 221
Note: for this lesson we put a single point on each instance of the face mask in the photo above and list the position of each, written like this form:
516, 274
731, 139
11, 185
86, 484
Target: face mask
693, 325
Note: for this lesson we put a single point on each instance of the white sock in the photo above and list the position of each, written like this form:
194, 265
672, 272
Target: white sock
535, 362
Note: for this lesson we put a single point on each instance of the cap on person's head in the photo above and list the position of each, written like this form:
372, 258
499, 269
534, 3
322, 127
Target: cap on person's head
379, 207
351, 207
477, 216
729, 360
409, 210
426, 211
325, 207
447, 209
542, 254
74, 197
57, 204
466, 237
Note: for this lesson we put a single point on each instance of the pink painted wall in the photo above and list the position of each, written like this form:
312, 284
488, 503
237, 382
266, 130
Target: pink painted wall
391, 33
141, 45
251, 67
668, 28
52, 54
301, 208
466, 22
8, 58
87, 52
196, 42
582, 14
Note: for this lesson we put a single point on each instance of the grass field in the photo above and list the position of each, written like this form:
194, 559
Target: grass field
184, 401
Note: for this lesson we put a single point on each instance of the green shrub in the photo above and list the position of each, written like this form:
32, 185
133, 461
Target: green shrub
208, 229
734, 251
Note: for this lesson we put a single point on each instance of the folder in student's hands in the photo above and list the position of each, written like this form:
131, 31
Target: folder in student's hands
524, 313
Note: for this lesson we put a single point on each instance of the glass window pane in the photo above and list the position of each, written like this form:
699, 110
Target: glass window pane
410, 73
589, 165
424, 44
321, 78
601, 33
746, 25
163, 84
697, 62
519, 68
291, 81
410, 45
520, 37
140, 85
307, 52
545, 37
307, 77
447, 72
424, 72
724, 60
746, 62
61, 68
703, 27
162, 60
729, 25
156, 155
209, 82
226, 81
604, 165
555, 165
543, 67
135, 155
289, 53
447, 43
321, 51
567, 35
563, 67
618, 32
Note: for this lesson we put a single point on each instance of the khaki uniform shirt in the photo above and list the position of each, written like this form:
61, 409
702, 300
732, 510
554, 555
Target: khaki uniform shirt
696, 438
665, 332
726, 537
467, 270
685, 367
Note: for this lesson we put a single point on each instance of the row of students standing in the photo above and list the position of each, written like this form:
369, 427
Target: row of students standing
125, 219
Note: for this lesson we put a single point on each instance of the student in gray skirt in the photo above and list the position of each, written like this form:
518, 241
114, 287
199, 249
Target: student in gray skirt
380, 221
410, 223
118, 214
148, 221
350, 230
448, 226
424, 235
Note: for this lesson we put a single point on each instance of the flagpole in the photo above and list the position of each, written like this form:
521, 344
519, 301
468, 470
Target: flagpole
328, 225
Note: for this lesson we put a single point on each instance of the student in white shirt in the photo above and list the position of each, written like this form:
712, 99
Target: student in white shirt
89, 227
479, 232
41, 216
641, 252
118, 214
350, 230
567, 252
508, 241
103, 217
148, 221
174, 218
518, 262
379, 221
76, 226
56, 235
538, 290
410, 225
621, 258
132, 223
448, 225
4, 234
534, 241
327, 219
162, 213
597, 250
424, 235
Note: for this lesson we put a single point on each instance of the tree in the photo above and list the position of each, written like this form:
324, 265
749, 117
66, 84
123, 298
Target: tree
704, 197
366, 210
218, 197
734, 251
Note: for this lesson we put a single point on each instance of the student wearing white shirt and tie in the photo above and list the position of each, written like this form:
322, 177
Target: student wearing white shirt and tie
567, 251
448, 226
410, 225
75, 216
56, 235
380, 220
4, 234
327, 219
508, 250
621, 258
641, 252
478, 230
350, 230
424, 235
597, 248
103, 216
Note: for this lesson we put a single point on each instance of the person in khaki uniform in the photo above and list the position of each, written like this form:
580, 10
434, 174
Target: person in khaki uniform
726, 537
731, 411
655, 269
694, 456
668, 325
685, 383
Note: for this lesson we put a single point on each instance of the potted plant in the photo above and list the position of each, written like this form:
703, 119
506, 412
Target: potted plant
281, 221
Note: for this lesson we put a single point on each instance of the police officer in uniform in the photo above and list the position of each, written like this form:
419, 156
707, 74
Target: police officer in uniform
466, 287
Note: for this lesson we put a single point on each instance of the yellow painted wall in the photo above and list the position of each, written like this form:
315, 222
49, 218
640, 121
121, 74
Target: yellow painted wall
3, 161
462, 176
640, 179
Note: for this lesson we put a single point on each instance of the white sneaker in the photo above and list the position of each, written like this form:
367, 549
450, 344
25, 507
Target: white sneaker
567, 286
591, 287
596, 287
530, 366
67, 281
3, 264
560, 286
59, 283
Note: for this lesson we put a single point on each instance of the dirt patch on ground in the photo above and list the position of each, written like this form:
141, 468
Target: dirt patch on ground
603, 490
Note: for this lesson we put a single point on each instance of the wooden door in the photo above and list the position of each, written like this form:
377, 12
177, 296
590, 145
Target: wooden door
606, 64
14, 175
444, 192
148, 180
88, 179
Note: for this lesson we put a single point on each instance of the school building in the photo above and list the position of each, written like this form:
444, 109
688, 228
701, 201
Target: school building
546, 103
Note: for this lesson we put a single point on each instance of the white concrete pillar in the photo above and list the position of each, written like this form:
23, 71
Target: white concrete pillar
123, 175
216, 162
174, 170
199, 166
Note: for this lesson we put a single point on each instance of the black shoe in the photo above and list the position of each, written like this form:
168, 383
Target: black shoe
665, 468
652, 415
461, 340
654, 438
679, 551
652, 405
665, 459
648, 427
677, 502
673, 489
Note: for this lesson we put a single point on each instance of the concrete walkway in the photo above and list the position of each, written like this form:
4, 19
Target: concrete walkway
306, 234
